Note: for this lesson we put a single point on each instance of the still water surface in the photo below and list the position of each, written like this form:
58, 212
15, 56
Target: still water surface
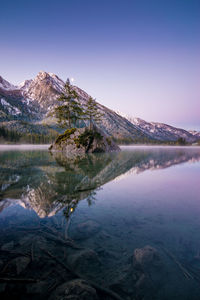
127, 221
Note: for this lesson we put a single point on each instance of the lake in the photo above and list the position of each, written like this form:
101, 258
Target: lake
105, 226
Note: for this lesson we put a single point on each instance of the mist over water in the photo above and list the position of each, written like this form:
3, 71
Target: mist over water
127, 221
23, 147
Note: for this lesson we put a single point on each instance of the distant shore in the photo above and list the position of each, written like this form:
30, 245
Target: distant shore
157, 146
4, 147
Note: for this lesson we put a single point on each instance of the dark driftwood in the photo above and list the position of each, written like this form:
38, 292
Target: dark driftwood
67, 242
195, 273
57, 260
183, 269
52, 286
57, 239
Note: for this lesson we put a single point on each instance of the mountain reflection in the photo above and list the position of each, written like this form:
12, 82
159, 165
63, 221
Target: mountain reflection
36, 180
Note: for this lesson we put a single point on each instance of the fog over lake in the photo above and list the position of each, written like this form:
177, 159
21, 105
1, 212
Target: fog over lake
23, 147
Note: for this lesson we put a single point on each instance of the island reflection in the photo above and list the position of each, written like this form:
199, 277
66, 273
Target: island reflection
48, 184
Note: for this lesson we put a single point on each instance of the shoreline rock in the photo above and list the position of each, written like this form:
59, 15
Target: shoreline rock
79, 141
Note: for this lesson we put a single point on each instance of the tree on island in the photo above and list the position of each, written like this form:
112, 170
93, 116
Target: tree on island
91, 112
70, 110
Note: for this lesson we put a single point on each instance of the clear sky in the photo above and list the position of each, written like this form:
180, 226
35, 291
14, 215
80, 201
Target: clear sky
141, 57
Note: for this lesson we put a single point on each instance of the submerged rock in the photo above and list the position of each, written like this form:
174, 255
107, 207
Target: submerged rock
86, 230
78, 141
146, 256
149, 272
77, 289
84, 261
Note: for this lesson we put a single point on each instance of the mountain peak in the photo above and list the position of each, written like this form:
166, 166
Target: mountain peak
133, 120
49, 78
42, 75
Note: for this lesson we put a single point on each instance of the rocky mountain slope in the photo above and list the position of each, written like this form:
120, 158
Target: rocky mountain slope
164, 132
195, 133
27, 108
33, 100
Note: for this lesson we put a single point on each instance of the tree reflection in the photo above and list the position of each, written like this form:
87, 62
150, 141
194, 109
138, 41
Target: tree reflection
48, 184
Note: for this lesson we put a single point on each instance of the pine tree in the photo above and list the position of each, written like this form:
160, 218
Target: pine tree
91, 112
181, 141
70, 110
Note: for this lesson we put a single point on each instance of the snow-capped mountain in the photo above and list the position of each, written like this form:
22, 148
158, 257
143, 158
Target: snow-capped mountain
34, 99
164, 132
13, 105
45, 88
195, 133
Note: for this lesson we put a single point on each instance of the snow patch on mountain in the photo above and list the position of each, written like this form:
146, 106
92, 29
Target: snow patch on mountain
13, 110
11, 180
24, 86
195, 133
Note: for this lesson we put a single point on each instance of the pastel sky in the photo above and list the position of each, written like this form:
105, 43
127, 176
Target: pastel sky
141, 57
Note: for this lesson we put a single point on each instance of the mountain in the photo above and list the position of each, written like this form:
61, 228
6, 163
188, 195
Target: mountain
33, 100
13, 104
195, 133
26, 108
164, 132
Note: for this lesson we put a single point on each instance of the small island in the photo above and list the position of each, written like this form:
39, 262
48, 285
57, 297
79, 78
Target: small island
80, 138
78, 141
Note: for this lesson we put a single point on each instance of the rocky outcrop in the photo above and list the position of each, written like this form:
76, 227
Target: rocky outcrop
78, 141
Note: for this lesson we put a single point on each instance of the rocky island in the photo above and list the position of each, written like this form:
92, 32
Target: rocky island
78, 141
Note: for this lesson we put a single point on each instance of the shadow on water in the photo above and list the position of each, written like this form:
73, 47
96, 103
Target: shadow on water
44, 255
